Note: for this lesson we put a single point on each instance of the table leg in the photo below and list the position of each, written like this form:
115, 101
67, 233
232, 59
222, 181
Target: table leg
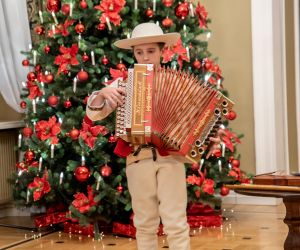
292, 220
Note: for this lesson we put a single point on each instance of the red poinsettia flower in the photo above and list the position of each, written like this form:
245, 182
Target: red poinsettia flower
83, 203
207, 185
89, 131
175, 48
111, 9
227, 139
69, 56
42, 185
200, 11
26, 164
48, 129
34, 90
115, 74
62, 28
213, 70
239, 176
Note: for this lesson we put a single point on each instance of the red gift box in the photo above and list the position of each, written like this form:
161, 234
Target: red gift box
130, 230
74, 228
204, 220
49, 219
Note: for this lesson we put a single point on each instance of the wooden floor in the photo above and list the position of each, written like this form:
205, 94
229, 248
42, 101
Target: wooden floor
246, 228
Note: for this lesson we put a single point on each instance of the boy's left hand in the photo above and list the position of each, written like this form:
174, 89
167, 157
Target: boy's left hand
215, 143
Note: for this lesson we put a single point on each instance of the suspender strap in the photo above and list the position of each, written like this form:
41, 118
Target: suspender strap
146, 146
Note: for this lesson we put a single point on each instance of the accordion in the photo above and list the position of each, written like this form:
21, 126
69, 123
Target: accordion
170, 109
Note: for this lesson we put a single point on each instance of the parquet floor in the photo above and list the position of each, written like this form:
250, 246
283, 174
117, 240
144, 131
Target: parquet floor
246, 228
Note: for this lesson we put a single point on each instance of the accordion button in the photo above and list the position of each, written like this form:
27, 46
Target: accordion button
118, 121
119, 108
210, 135
216, 126
213, 131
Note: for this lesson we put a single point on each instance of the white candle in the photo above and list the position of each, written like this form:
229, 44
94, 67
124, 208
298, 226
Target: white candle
41, 16
40, 164
34, 107
154, 5
135, 4
206, 78
28, 193
223, 149
61, 178
30, 46
184, 28
98, 183
69, 74
52, 151
229, 167
20, 140
218, 84
54, 17
93, 57
34, 58
71, 9
191, 9
108, 23
128, 35
60, 120
24, 84
20, 173
43, 100
34, 123
82, 160
188, 52
201, 163
157, 23
74, 84
46, 72
79, 38
208, 36
220, 165
53, 29
105, 79
43, 89
37, 99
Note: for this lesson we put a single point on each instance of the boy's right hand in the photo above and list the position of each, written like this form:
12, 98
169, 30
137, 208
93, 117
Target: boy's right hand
114, 95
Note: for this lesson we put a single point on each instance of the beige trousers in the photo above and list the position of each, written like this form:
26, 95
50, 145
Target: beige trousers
158, 188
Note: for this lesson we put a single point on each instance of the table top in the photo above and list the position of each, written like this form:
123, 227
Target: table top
267, 193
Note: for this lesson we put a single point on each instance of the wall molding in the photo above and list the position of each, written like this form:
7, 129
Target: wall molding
11, 124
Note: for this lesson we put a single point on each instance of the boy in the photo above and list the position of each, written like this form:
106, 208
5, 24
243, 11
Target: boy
158, 188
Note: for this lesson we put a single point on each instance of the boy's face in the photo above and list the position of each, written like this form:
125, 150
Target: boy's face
148, 53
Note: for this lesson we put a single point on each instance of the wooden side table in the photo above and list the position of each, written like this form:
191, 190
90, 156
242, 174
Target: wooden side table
291, 201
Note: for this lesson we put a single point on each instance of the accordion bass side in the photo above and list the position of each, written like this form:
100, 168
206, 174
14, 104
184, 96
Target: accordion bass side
170, 109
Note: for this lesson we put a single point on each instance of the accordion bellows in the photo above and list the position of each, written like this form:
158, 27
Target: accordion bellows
170, 109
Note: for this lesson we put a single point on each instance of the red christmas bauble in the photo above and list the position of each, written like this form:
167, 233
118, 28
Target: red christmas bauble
218, 153
235, 163
82, 76
85, 58
40, 30
53, 100
168, 3
49, 78
105, 60
23, 105
207, 66
74, 134
25, 63
197, 64
231, 115
86, 99
101, 26
181, 11
31, 76
224, 191
120, 188
38, 68
121, 66
27, 132
167, 23
65, 9
186, 4
66, 71
53, 5
40, 77
67, 103
82, 173
112, 139
47, 49
149, 13
195, 167
83, 4
29, 155
215, 68
231, 158
190, 46
106, 171
79, 28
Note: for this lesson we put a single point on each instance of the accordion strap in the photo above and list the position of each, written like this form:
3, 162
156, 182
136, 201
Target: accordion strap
146, 146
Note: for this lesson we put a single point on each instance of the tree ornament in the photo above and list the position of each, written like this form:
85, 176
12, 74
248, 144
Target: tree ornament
231, 158
149, 13
86, 99
120, 188
195, 167
66, 71
47, 49
79, 28
53, 100
65, 9
23, 105
27, 132
181, 11
231, 115
224, 191
168, 3
105, 60
31, 76
67, 104
74, 134
40, 30
83, 4
49, 78
167, 22
106, 171
82, 76
186, 3
29, 155
53, 5
25, 63
207, 66
218, 153
215, 68
235, 163
38, 68
197, 64
121, 66
82, 173
85, 58
101, 26
112, 138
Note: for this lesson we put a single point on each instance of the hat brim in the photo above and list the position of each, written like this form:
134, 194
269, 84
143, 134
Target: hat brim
168, 39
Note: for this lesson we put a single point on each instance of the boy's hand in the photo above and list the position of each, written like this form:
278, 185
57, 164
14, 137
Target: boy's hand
215, 143
114, 95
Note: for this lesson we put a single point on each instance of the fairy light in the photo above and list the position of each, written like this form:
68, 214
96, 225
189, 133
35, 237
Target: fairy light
41, 16
223, 149
52, 151
53, 29
55, 19
219, 84
154, 5
220, 165
34, 58
98, 183
108, 23
207, 36
74, 84
191, 9
71, 9
93, 57
201, 163
61, 178
34, 106
40, 164
20, 140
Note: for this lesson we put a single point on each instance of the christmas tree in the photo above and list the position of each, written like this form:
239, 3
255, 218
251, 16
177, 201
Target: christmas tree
69, 159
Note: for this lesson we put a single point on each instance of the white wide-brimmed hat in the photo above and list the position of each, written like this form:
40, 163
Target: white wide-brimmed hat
147, 33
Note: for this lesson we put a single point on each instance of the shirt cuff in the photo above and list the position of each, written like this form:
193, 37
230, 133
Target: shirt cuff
90, 100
